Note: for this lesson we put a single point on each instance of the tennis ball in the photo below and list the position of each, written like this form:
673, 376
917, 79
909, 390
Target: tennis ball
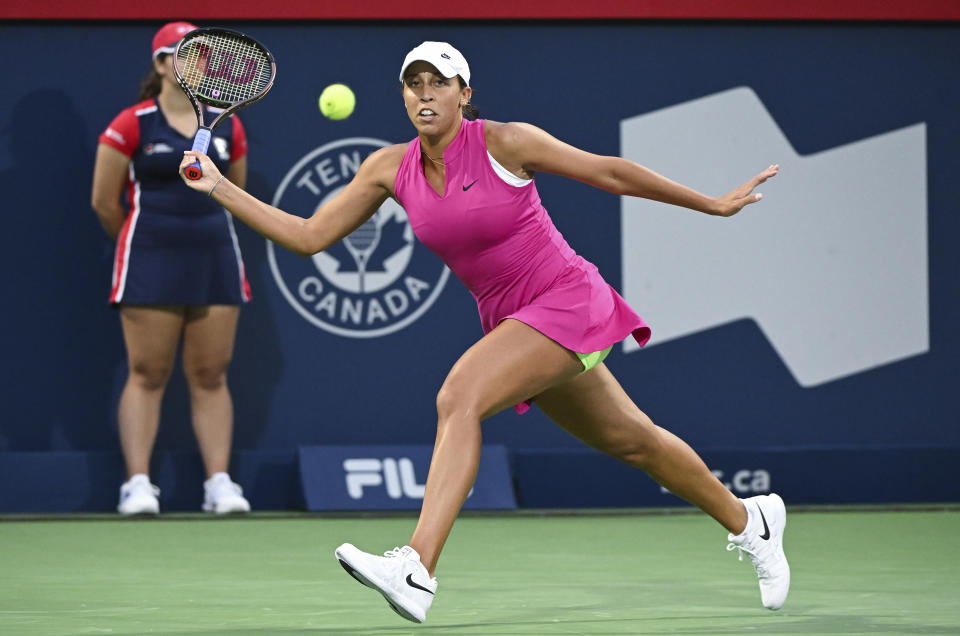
337, 101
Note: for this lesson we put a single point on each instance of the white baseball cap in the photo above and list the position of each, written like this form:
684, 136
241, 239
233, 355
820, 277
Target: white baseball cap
448, 60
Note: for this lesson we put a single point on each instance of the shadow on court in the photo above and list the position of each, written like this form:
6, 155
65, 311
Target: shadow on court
794, 623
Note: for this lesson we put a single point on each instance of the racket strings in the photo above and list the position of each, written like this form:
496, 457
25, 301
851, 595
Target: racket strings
224, 69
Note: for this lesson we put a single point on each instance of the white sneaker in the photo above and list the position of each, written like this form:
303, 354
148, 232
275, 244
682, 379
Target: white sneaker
398, 575
139, 497
762, 539
222, 496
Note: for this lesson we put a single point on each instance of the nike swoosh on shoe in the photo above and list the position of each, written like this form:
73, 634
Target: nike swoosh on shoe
766, 529
413, 583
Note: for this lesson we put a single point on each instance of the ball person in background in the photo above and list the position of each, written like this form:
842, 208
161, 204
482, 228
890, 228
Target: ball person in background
178, 276
549, 318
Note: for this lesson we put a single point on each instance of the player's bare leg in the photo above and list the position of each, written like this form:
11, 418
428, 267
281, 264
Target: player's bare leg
510, 364
151, 335
594, 408
208, 338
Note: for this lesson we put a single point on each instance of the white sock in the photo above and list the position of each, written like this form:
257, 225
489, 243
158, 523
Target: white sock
751, 518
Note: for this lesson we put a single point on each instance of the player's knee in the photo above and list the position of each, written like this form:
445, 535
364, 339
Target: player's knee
453, 401
447, 399
205, 376
636, 456
640, 450
150, 376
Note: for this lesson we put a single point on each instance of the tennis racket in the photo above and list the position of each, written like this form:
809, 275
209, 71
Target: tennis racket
224, 69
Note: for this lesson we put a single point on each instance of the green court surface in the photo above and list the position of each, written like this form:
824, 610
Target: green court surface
860, 572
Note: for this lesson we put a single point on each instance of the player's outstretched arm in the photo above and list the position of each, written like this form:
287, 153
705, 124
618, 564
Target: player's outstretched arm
533, 150
336, 218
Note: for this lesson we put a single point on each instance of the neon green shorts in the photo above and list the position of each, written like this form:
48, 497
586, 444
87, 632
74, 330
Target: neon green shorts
591, 360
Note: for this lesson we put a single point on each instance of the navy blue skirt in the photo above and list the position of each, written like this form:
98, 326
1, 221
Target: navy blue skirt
176, 260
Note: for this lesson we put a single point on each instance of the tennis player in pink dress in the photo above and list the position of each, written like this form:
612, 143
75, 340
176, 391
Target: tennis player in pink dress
548, 316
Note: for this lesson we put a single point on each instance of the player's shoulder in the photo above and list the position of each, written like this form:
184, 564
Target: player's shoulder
123, 132
146, 107
393, 150
381, 166
508, 136
508, 132
386, 158
139, 109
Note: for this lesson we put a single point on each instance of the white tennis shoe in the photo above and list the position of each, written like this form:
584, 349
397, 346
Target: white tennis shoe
398, 575
139, 497
222, 496
762, 539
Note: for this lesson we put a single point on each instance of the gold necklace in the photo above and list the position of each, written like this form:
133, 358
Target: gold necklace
438, 162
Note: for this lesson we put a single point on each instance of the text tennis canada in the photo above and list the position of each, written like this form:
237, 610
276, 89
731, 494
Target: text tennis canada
375, 281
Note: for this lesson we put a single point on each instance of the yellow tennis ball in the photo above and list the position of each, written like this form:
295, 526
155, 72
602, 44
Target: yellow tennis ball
337, 101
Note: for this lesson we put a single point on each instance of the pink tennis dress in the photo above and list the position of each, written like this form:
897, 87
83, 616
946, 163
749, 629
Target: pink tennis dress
499, 240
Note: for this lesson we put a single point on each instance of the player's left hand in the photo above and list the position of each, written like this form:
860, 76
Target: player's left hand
210, 173
734, 201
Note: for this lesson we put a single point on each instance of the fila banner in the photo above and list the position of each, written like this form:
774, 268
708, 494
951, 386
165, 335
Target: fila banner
393, 478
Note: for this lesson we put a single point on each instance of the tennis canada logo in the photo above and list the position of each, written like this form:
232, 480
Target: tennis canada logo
375, 281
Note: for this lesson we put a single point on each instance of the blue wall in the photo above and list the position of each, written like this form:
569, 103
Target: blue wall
293, 384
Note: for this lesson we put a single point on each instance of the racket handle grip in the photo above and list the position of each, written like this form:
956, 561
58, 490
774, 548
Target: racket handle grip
201, 142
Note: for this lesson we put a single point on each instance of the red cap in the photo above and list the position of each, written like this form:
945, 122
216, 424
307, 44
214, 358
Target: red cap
165, 41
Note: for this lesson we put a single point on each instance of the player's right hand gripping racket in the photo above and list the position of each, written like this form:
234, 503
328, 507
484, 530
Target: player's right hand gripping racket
224, 69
